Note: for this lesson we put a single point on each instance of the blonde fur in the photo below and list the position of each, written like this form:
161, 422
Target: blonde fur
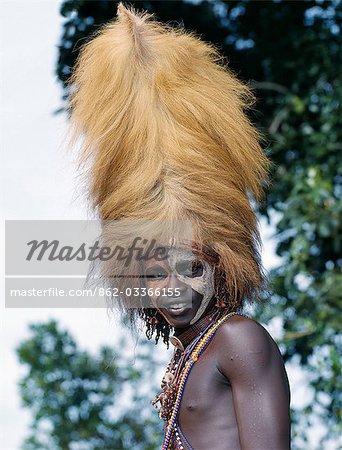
166, 137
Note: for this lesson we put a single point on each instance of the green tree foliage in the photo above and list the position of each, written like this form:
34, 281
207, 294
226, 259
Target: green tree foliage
82, 401
290, 53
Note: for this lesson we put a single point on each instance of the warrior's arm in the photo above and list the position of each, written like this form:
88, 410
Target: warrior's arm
250, 360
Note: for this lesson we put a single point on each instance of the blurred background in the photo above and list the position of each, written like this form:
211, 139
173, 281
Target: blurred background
76, 378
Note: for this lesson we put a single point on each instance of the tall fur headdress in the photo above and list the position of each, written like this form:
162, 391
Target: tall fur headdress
166, 136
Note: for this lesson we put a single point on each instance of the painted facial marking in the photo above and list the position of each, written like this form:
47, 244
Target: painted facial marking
188, 269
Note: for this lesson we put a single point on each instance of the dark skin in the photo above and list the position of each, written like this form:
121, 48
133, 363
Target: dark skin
237, 394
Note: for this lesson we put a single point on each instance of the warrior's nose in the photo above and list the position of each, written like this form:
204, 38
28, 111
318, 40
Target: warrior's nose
177, 286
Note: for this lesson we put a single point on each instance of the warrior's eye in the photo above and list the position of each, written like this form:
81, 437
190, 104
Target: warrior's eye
156, 273
190, 269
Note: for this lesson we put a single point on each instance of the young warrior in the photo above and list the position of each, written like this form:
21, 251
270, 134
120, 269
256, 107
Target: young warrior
164, 125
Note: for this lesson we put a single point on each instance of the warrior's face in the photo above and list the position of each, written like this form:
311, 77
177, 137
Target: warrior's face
181, 286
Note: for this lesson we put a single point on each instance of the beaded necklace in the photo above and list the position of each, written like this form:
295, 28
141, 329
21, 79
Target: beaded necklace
179, 369
187, 339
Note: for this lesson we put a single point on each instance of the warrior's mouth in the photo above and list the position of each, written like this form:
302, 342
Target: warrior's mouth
177, 308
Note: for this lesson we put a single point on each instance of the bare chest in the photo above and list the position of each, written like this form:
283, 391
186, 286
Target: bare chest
204, 387
206, 415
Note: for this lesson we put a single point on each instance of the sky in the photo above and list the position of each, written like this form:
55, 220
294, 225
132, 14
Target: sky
40, 181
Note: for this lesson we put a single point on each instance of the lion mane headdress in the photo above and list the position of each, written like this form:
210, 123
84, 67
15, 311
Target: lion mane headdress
165, 132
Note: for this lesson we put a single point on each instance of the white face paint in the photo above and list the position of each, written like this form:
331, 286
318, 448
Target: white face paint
203, 284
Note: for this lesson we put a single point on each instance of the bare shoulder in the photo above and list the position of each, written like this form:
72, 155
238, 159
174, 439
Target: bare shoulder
241, 342
240, 330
